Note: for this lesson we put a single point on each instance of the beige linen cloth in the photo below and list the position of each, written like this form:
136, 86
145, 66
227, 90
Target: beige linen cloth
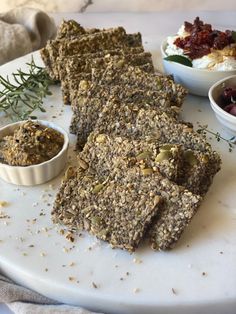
24, 301
23, 30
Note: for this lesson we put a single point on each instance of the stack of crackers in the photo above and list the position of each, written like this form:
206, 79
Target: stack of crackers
141, 171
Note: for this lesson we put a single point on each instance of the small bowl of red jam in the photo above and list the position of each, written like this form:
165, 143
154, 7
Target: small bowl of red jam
222, 97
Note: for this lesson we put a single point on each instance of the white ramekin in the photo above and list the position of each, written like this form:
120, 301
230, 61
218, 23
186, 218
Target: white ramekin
35, 174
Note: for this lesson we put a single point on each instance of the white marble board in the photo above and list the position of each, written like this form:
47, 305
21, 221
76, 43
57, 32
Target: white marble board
198, 276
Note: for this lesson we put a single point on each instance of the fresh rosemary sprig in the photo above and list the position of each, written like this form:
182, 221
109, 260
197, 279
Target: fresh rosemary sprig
231, 142
24, 94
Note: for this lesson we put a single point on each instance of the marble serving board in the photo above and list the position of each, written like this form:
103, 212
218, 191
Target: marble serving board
197, 276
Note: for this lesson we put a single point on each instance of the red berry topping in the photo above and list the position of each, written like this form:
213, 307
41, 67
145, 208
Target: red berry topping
229, 95
202, 39
231, 108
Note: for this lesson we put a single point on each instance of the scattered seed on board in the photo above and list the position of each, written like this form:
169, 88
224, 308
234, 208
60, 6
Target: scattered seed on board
174, 291
94, 285
3, 204
136, 290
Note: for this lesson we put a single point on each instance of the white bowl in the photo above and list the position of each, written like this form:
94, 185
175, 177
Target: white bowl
225, 118
196, 81
35, 174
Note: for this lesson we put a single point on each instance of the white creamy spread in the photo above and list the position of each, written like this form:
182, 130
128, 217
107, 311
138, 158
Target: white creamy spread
182, 32
218, 60
229, 63
171, 48
208, 62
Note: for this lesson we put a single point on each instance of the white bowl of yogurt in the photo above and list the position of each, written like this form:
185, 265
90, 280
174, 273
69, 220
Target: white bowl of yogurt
205, 71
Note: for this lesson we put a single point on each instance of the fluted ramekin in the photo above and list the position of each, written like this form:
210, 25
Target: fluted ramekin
34, 174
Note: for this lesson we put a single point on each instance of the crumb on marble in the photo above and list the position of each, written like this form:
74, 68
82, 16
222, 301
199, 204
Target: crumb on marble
3, 204
137, 260
94, 285
136, 290
3, 215
70, 237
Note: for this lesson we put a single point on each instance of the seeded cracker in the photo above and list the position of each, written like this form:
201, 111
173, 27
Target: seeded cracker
104, 40
127, 94
165, 128
89, 43
87, 65
117, 210
198, 170
175, 216
129, 75
83, 121
201, 162
86, 115
87, 108
73, 82
70, 84
50, 53
102, 152
134, 122
72, 29
73, 63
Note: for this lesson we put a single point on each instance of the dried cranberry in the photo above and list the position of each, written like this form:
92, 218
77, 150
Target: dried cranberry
188, 26
202, 38
231, 108
228, 95
220, 41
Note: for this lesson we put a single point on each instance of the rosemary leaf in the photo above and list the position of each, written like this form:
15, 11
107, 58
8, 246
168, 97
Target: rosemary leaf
23, 95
